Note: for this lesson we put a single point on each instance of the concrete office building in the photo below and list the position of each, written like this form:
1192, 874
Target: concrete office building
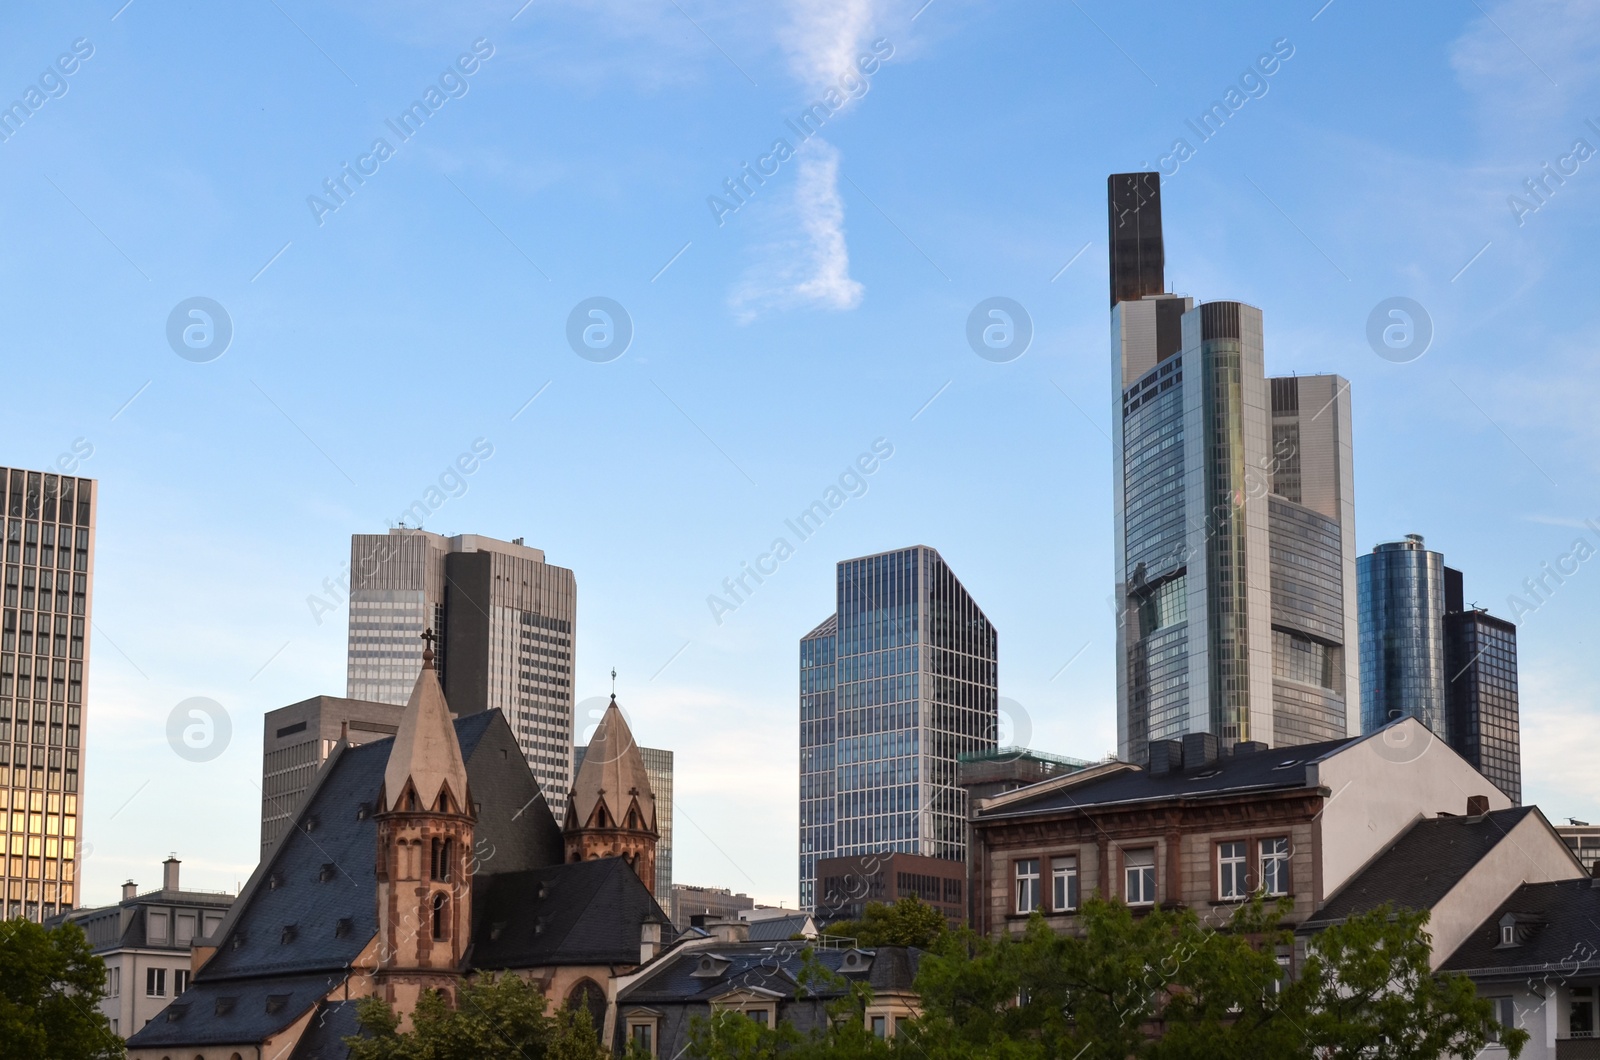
146, 941
708, 903
658, 768
504, 621
44, 656
297, 739
1425, 654
1234, 513
895, 686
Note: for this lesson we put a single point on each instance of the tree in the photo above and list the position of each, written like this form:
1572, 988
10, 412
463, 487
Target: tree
51, 986
496, 1018
908, 922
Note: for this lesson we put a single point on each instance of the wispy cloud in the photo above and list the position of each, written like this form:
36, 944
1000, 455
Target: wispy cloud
823, 37
810, 265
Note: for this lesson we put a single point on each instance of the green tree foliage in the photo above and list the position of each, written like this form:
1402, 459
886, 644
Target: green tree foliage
496, 1018
1165, 986
51, 987
908, 922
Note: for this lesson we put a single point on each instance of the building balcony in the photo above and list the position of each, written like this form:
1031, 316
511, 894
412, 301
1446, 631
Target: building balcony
1578, 1048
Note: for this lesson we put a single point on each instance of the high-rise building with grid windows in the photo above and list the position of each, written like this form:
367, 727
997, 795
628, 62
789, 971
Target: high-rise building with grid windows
504, 621
897, 684
44, 654
1235, 515
1425, 654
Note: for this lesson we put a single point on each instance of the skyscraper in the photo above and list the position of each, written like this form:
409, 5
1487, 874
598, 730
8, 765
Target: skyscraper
658, 767
894, 686
505, 623
1234, 510
1426, 654
44, 653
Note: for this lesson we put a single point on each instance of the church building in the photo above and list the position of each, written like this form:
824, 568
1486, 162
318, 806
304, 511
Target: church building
414, 863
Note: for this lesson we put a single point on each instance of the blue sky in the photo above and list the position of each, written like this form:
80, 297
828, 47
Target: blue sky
577, 160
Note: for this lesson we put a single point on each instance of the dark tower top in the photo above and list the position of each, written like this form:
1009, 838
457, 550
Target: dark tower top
1138, 257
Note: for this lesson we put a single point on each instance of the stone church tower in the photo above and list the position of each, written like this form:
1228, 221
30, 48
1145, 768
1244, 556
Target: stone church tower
425, 821
612, 811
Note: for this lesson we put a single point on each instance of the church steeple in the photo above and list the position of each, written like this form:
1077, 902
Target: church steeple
612, 810
425, 819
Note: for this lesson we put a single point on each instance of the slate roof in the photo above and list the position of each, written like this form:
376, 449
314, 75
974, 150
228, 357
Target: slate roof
1279, 768
765, 966
225, 1012
324, 1037
1420, 867
778, 928
1558, 930
582, 912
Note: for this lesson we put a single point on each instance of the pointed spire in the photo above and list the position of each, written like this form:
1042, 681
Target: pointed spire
425, 749
612, 766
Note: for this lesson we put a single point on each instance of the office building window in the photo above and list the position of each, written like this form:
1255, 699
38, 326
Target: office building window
155, 982
1233, 865
1275, 866
1027, 885
1139, 876
1063, 884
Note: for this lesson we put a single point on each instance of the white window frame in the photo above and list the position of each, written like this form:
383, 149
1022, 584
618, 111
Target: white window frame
646, 1025
155, 982
1064, 884
1274, 852
1233, 869
1139, 876
1025, 871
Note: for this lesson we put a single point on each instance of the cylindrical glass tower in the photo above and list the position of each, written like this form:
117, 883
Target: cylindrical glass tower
1400, 586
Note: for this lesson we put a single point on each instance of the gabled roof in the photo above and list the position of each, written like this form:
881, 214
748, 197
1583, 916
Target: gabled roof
777, 928
1557, 925
425, 750
580, 912
1284, 768
764, 965
1420, 867
612, 775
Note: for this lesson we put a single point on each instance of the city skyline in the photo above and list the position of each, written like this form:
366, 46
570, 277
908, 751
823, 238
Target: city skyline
1369, 157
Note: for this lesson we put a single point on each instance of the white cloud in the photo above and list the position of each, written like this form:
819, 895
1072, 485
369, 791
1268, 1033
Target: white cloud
823, 37
809, 266
1528, 60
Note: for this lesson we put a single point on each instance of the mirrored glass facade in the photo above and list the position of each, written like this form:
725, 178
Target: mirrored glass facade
44, 654
895, 686
1481, 663
1402, 635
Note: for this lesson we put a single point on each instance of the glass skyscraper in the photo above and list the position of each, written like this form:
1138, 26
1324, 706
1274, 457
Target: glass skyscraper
504, 620
894, 686
1235, 515
1425, 654
44, 654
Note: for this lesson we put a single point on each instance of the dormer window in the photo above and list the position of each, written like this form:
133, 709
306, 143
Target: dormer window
1508, 934
327, 872
710, 966
342, 927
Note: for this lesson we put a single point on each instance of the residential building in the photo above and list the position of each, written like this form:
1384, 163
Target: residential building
895, 686
1583, 839
1206, 829
145, 941
44, 655
412, 863
707, 903
846, 885
1234, 516
1536, 959
504, 622
297, 739
727, 972
1426, 654
658, 768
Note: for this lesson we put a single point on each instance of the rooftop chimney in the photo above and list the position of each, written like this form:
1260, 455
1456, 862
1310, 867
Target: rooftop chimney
1594, 874
1199, 749
129, 890
729, 930
169, 873
1166, 756
649, 941
1477, 805
1248, 747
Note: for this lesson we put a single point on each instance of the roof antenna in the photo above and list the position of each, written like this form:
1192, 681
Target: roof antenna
613, 684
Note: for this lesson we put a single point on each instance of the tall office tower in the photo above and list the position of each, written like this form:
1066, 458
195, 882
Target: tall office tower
1234, 511
505, 622
898, 683
297, 739
658, 769
44, 653
1426, 654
